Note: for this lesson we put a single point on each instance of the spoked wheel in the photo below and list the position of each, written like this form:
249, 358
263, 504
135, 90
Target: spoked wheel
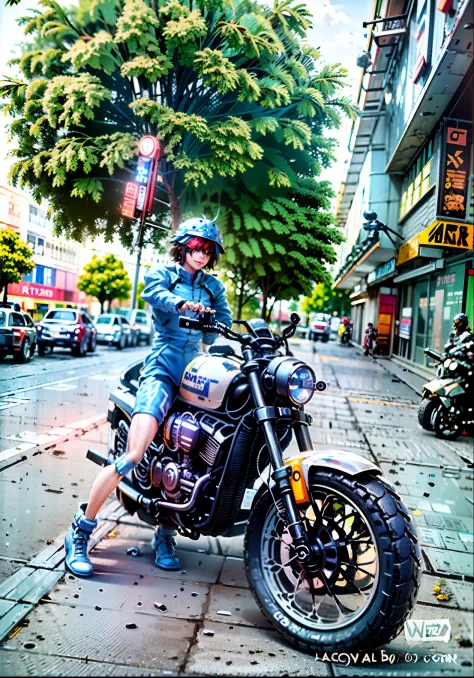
367, 565
448, 424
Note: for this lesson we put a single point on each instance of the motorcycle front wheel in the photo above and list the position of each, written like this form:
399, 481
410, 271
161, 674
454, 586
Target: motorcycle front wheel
427, 413
368, 574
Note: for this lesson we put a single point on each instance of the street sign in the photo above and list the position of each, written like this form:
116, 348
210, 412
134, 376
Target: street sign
455, 170
438, 234
143, 171
129, 200
150, 147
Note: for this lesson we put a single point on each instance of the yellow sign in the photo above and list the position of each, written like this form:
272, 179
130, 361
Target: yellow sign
438, 234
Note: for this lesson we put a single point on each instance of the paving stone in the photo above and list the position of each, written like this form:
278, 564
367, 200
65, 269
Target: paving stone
16, 663
181, 599
106, 589
233, 573
232, 645
239, 602
156, 643
232, 546
110, 556
446, 562
426, 595
463, 592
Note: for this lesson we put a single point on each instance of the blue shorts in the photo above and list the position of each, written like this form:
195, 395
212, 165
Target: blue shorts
160, 380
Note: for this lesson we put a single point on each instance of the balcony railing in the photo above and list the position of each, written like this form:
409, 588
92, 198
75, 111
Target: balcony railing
388, 31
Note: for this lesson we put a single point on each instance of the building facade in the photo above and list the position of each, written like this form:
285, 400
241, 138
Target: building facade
53, 282
411, 163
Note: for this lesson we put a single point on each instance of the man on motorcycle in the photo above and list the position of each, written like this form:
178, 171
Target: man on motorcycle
170, 291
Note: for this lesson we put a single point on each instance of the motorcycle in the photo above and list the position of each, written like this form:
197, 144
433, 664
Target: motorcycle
345, 333
446, 407
330, 551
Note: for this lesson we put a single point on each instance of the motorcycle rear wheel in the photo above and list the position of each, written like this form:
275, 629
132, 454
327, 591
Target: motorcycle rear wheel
426, 412
447, 425
351, 604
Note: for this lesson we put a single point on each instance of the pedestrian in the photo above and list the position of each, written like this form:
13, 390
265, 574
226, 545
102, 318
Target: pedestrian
370, 339
171, 291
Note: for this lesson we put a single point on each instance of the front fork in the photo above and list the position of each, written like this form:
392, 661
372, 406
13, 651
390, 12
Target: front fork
281, 473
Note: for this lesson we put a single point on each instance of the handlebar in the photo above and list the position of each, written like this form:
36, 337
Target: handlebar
206, 322
431, 353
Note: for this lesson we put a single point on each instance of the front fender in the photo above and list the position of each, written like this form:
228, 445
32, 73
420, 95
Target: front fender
343, 461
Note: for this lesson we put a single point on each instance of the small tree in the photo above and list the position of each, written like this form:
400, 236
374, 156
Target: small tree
15, 259
105, 279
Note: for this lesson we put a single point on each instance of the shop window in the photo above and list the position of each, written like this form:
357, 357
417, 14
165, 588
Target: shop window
49, 276
39, 275
418, 180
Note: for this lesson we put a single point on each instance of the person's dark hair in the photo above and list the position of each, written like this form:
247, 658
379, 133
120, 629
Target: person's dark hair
371, 324
177, 253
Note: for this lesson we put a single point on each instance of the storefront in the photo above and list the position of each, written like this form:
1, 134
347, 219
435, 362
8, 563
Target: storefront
432, 294
37, 299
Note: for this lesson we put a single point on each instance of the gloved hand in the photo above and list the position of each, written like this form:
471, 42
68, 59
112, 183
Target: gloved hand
195, 306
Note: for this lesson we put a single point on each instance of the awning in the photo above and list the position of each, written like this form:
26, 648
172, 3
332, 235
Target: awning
369, 258
445, 78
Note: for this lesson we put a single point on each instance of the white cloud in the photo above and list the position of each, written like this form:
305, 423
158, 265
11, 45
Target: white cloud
327, 14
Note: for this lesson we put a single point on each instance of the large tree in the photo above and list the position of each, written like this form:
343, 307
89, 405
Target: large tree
214, 79
105, 279
16, 259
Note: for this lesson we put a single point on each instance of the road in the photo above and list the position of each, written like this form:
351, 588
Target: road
203, 620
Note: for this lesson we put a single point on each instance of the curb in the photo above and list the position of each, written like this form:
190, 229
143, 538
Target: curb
24, 590
56, 436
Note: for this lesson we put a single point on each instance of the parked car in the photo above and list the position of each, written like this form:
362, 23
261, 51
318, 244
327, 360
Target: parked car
67, 328
140, 321
115, 330
17, 333
320, 327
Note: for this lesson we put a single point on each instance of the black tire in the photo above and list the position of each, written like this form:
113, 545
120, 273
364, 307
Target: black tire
447, 425
393, 593
92, 344
41, 350
426, 411
3, 354
24, 354
325, 338
80, 350
122, 342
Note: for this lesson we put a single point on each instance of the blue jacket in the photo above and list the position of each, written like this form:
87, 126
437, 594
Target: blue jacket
166, 287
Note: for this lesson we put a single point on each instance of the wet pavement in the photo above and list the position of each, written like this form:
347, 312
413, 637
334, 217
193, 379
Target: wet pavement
133, 619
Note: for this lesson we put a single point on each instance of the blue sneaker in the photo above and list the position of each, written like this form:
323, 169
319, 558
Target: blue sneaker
165, 547
75, 544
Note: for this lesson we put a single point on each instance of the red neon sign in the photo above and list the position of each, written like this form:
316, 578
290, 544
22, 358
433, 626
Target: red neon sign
129, 200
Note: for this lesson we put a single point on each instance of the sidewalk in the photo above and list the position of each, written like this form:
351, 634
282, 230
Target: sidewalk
134, 619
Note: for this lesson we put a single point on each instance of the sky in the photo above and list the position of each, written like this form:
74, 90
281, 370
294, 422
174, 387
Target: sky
337, 32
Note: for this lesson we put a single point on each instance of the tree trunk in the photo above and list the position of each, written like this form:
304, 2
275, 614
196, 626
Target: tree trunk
264, 300
5, 293
102, 302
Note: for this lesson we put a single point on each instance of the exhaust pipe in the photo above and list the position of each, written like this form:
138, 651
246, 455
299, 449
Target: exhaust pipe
124, 485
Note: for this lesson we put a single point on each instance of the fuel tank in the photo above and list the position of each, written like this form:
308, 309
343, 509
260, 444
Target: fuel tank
207, 379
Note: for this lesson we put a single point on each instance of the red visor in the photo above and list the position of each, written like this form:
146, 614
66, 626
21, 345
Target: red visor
201, 243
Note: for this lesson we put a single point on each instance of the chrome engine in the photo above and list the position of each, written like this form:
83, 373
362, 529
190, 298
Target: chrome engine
189, 451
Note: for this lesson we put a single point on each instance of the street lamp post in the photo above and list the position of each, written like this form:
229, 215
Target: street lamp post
139, 195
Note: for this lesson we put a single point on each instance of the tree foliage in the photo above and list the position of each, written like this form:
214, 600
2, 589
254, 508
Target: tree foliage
16, 259
326, 299
105, 279
218, 81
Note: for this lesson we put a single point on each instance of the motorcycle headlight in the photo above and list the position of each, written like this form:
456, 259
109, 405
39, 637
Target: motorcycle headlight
447, 362
292, 378
453, 366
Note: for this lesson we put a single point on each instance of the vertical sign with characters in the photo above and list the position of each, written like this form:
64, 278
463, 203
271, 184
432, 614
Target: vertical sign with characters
455, 170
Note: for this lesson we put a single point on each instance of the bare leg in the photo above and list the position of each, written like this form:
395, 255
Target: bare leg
142, 432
